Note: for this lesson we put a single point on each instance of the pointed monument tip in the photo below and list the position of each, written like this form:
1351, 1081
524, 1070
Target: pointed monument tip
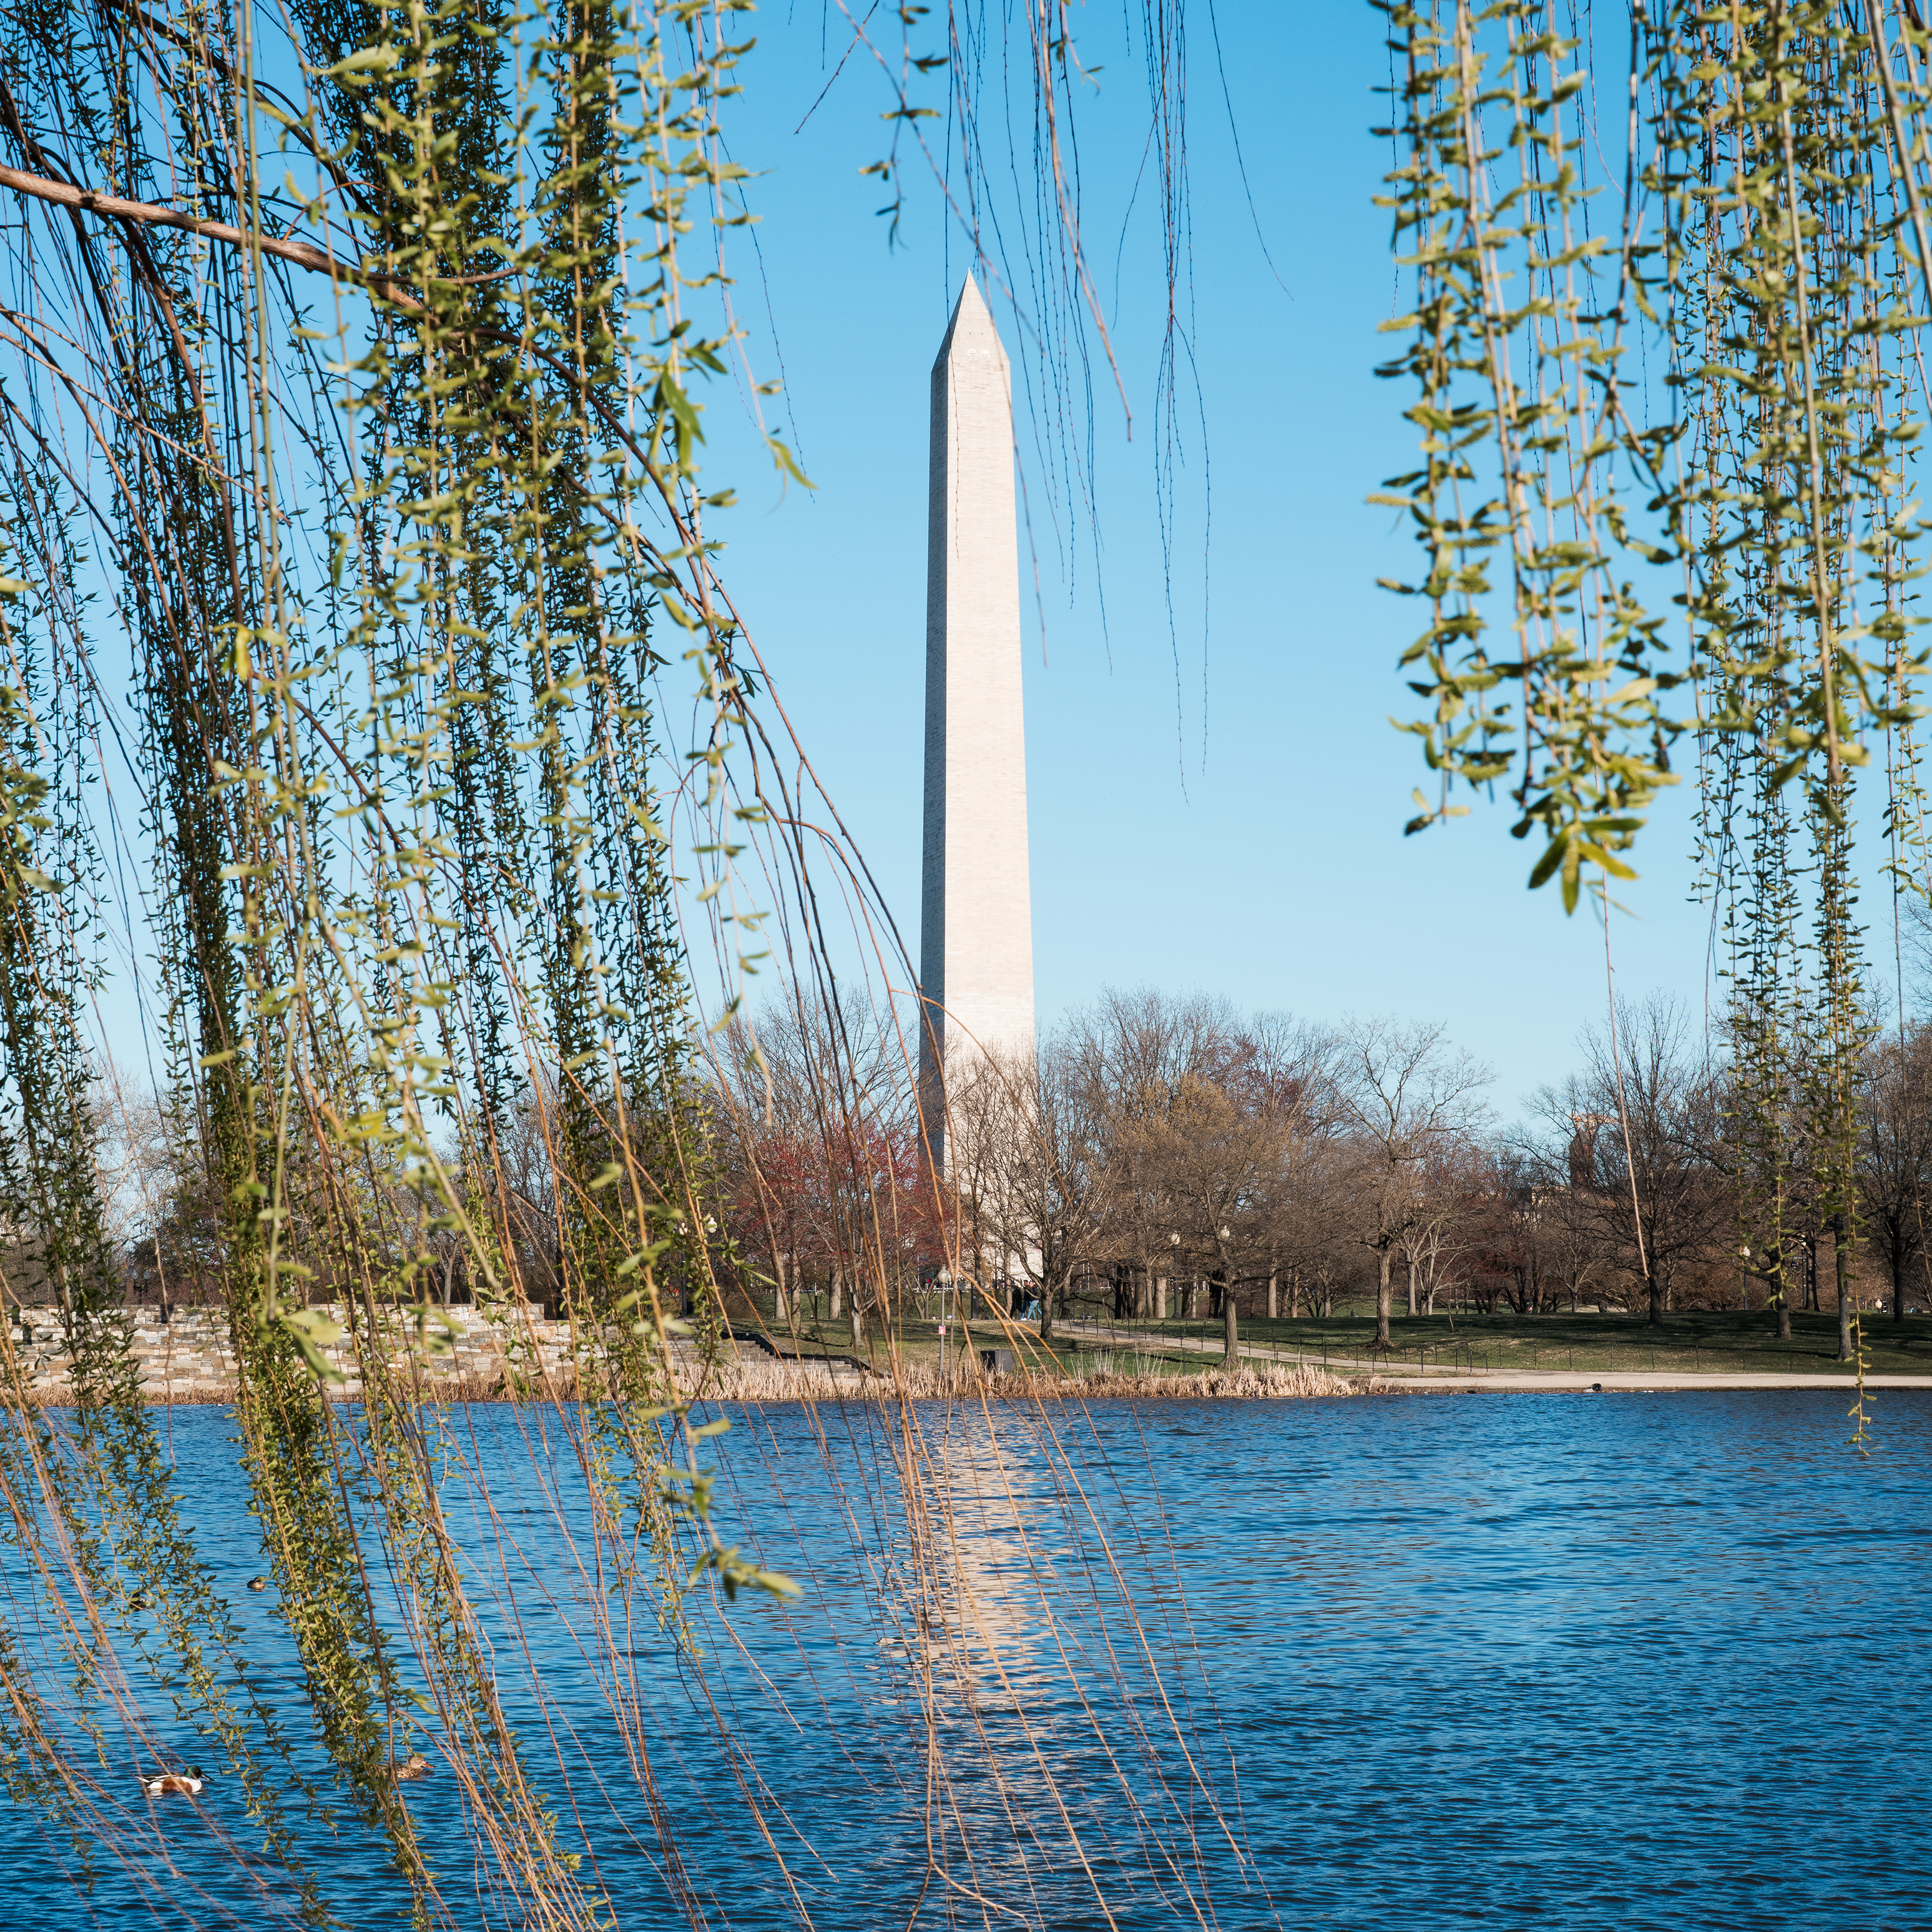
971, 318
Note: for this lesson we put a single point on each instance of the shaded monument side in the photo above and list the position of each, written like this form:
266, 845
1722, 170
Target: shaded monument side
932, 865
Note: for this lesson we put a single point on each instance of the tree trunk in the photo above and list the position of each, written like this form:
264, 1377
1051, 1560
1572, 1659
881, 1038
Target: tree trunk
1408, 1268
1898, 1282
858, 1329
838, 1293
780, 1314
1780, 1299
1384, 1297
1274, 1296
1230, 1319
1160, 1299
1656, 1300
1046, 1312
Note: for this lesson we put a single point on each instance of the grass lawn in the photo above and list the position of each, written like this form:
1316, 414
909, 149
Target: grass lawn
1687, 1343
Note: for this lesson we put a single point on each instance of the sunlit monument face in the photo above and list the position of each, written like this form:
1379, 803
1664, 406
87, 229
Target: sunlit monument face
976, 928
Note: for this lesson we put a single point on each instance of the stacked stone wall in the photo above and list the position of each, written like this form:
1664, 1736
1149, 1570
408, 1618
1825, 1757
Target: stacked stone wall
189, 1357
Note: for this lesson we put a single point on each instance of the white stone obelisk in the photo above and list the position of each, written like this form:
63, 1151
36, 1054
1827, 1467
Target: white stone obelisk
975, 925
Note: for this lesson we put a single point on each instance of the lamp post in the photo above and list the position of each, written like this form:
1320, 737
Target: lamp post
1231, 1318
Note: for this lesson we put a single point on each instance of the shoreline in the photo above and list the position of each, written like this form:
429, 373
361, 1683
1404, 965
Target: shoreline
872, 1388
464, 1355
759, 1383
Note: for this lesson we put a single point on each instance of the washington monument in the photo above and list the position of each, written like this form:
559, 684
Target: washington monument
975, 923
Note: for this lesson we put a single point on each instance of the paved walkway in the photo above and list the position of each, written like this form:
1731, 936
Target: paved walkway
1134, 1342
1500, 1381
1503, 1381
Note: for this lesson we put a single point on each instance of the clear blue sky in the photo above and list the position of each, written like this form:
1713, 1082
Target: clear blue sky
1222, 808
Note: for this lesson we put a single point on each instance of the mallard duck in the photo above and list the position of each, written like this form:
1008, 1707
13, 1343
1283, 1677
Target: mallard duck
188, 1783
414, 1766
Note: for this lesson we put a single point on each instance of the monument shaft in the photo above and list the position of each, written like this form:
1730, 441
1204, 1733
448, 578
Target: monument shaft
976, 927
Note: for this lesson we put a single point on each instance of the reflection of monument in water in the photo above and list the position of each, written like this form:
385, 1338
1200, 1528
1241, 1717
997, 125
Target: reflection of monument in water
983, 1623
976, 923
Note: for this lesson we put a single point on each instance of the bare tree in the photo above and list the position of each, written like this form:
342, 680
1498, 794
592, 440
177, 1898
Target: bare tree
1656, 1200
1407, 1096
1028, 1164
1895, 1153
1215, 1153
1203, 1116
1138, 1051
825, 1171
1445, 1222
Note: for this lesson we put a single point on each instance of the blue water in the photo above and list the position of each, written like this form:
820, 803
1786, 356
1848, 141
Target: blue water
1620, 1661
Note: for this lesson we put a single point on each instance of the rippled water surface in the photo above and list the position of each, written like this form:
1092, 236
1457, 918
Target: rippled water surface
1625, 1661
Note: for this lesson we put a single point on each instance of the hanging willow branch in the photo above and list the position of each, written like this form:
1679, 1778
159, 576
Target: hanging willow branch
357, 547
392, 593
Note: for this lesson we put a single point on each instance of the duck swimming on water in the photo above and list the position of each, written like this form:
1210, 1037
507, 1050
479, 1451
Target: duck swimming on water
187, 1783
414, 1766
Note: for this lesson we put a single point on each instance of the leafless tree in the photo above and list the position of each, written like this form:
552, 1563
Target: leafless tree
1407, 1095
1138, 1051
1895, 1153
1029, 1167
825, 1172
1445, 1223
1205, 1119
1658, 1205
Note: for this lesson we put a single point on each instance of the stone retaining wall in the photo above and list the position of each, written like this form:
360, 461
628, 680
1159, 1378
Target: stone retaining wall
188, 1358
